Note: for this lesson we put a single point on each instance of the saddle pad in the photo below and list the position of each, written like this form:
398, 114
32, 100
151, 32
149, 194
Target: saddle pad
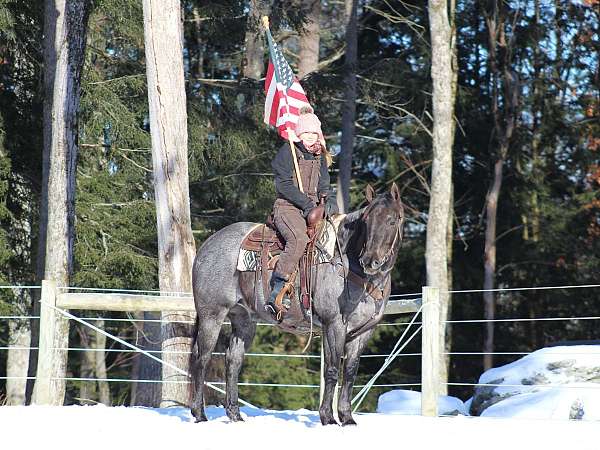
248, 261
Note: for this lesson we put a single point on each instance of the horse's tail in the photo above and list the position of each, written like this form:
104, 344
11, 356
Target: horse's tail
193, 359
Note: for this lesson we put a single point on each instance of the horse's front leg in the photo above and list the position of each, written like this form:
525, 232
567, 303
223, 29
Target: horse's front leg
242, 334
352, 351
334, 335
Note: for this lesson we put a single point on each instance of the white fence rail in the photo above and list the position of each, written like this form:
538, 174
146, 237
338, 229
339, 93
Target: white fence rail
55, 306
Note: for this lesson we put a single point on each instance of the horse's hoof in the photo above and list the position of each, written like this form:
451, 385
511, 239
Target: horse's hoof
329, 421
199, 416
235, 417
348, 422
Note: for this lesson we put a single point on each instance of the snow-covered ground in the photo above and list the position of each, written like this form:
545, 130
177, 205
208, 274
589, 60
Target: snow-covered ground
100, 427
551, 383
529, 410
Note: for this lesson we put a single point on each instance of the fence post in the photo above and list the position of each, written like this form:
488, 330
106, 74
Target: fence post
430, 349
47, 390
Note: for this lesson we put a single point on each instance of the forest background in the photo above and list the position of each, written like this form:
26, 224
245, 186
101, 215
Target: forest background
548, 223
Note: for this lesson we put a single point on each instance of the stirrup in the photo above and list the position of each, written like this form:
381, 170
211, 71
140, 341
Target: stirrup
275, 312
281, 304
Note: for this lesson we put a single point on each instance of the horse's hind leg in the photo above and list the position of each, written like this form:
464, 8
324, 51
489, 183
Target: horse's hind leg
209, 326
242, 334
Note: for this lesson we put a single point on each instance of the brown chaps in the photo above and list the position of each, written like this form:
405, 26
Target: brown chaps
292, 226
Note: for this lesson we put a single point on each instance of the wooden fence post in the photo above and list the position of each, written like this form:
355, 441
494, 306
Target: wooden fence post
46, 390
430, 351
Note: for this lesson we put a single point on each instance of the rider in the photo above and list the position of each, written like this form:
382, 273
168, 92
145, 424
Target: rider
292, 206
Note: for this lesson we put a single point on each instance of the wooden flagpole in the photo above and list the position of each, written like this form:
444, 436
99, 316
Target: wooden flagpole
265, 20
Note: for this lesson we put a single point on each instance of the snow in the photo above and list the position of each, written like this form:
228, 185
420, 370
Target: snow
537, 363
568, 367
409, 402
535, 417
551, 403
101, 427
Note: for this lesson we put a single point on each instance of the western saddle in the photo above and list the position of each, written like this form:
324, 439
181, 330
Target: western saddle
266, 241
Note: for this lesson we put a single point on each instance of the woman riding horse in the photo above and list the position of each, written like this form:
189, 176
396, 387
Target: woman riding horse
293, 206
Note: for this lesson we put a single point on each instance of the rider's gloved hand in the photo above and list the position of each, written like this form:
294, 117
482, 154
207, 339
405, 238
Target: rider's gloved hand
308, 209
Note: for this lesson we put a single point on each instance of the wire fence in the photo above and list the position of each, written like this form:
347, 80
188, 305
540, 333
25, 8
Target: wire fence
303, 356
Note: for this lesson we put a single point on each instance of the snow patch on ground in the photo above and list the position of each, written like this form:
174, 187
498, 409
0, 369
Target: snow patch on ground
409, 402
101, 427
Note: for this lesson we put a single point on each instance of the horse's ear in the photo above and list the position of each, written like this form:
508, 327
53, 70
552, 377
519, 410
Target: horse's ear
395, 192
369, 193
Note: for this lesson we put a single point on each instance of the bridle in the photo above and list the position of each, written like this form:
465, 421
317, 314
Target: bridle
397, 235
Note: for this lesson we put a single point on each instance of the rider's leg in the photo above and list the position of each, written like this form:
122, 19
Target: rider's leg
292, 226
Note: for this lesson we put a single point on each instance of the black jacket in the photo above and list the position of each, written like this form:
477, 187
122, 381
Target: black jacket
283, 168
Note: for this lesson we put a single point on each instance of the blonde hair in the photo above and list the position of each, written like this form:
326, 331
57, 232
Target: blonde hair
328, 156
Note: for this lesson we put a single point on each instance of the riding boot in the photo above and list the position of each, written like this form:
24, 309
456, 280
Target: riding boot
277, 283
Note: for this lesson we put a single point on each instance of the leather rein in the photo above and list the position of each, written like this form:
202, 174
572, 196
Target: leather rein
368, 287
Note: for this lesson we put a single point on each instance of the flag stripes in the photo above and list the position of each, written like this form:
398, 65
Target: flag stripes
284, 98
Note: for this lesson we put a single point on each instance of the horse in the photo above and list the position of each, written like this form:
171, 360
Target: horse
368, 242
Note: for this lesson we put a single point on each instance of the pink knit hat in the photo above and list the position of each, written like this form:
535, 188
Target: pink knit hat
308, 122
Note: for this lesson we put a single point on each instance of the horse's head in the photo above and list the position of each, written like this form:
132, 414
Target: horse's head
382, 222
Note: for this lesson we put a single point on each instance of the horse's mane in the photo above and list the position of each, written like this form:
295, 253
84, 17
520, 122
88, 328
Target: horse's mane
348, 226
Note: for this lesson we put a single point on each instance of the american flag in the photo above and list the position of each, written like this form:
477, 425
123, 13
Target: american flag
285, 96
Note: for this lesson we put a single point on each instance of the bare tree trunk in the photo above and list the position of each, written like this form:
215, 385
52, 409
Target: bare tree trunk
19, 203
253, 63
19, 340
446, 305
446, 302
93, 365
436, 252
489, 301
198, 66
310, 39
100, 365
507, 95
349, 110
64, 50
168, 127
144, 368
87, 361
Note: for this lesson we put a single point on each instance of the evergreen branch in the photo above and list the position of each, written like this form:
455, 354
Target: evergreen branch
118, 205
222, 83
230, 175
139, 150
110, 80
379, 83
136, 164
371, 138
204, 19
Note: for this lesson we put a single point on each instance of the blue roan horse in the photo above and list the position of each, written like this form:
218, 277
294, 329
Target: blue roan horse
368, 242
